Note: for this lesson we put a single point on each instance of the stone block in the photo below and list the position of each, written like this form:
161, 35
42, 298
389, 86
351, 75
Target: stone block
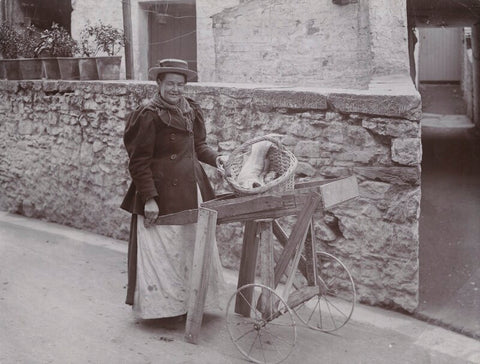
86, 154
407, 151
98, 146
393, 175
50, 86
325, 233
373, 190
382, 104
90, 105
26, 127
89, 87
305, 170
25, 85
9, 86
227, 146
334, 133
307, 149
333, 171
37, 86
404, 206
393, 127
66, 87
289, 99
113, 89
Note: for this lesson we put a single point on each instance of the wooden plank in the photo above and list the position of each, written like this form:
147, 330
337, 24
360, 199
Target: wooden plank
293, 204
261, 215
204, 240
277, 205
248, 205
298, 233
339, 191
178, 218
251, 209
265, 233
283, 239
293, 266
310, 256
248, 263
296, 298
314, 183
269, 206
302, 295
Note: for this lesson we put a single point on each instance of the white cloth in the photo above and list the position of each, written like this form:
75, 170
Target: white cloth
164, 262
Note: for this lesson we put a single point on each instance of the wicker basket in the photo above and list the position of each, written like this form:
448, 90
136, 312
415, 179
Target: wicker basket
282, 161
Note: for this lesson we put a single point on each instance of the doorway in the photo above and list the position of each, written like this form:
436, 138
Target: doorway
172, 32
41, 14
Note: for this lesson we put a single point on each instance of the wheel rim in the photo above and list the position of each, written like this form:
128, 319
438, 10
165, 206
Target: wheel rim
331, 308
262, 337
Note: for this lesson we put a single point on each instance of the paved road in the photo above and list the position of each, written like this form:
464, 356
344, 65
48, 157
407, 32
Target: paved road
450, 229
61, 301
450, 213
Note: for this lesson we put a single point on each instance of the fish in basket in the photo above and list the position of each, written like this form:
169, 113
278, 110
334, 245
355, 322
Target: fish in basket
260, 165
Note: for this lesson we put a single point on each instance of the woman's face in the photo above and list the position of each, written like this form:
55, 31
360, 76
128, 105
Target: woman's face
172, 87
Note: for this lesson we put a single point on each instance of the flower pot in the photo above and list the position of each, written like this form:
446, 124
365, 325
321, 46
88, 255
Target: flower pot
12, 69
88, 68
50, 69
30, 68
3, 73
68, 68
108, 67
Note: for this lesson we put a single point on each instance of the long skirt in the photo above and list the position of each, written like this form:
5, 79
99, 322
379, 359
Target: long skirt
164, 266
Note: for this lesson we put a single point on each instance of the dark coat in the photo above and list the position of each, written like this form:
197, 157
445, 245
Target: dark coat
164, 160
164, 164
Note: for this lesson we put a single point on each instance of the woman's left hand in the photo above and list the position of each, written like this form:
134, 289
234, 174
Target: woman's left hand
221, 161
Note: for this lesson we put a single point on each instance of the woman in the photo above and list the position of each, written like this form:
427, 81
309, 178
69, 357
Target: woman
165, 141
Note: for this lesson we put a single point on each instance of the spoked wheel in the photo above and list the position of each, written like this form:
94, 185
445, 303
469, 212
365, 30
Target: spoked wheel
266, 332
332, 307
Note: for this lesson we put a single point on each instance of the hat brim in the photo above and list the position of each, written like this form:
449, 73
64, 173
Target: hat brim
155, 71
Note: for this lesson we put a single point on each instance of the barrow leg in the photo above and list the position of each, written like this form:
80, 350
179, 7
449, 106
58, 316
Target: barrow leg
204, 239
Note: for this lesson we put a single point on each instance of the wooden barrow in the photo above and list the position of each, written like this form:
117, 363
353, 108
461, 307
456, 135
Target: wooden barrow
259, 213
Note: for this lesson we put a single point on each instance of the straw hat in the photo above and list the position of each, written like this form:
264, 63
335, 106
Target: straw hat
171, 66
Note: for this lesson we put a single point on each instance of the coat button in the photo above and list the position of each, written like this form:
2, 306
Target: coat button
175, 182
173, 156
173, 137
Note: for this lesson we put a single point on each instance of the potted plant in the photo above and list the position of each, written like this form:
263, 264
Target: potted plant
106, 40
29, 63
9, 49
87, 63
57, 42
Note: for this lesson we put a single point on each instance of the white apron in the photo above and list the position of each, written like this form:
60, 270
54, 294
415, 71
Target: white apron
164, 263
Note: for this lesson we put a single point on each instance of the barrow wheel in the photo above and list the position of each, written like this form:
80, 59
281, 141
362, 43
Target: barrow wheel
333, 306
266, 332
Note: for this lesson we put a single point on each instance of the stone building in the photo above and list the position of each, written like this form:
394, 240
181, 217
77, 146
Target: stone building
331, 43
333, 76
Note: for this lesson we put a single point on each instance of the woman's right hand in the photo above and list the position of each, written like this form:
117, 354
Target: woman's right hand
151, 212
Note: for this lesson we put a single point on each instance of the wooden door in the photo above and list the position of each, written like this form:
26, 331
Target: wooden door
172, 33
440, 54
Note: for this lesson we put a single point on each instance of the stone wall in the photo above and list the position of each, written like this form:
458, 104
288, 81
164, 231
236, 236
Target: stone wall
307, 42
62, 160
310, 42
